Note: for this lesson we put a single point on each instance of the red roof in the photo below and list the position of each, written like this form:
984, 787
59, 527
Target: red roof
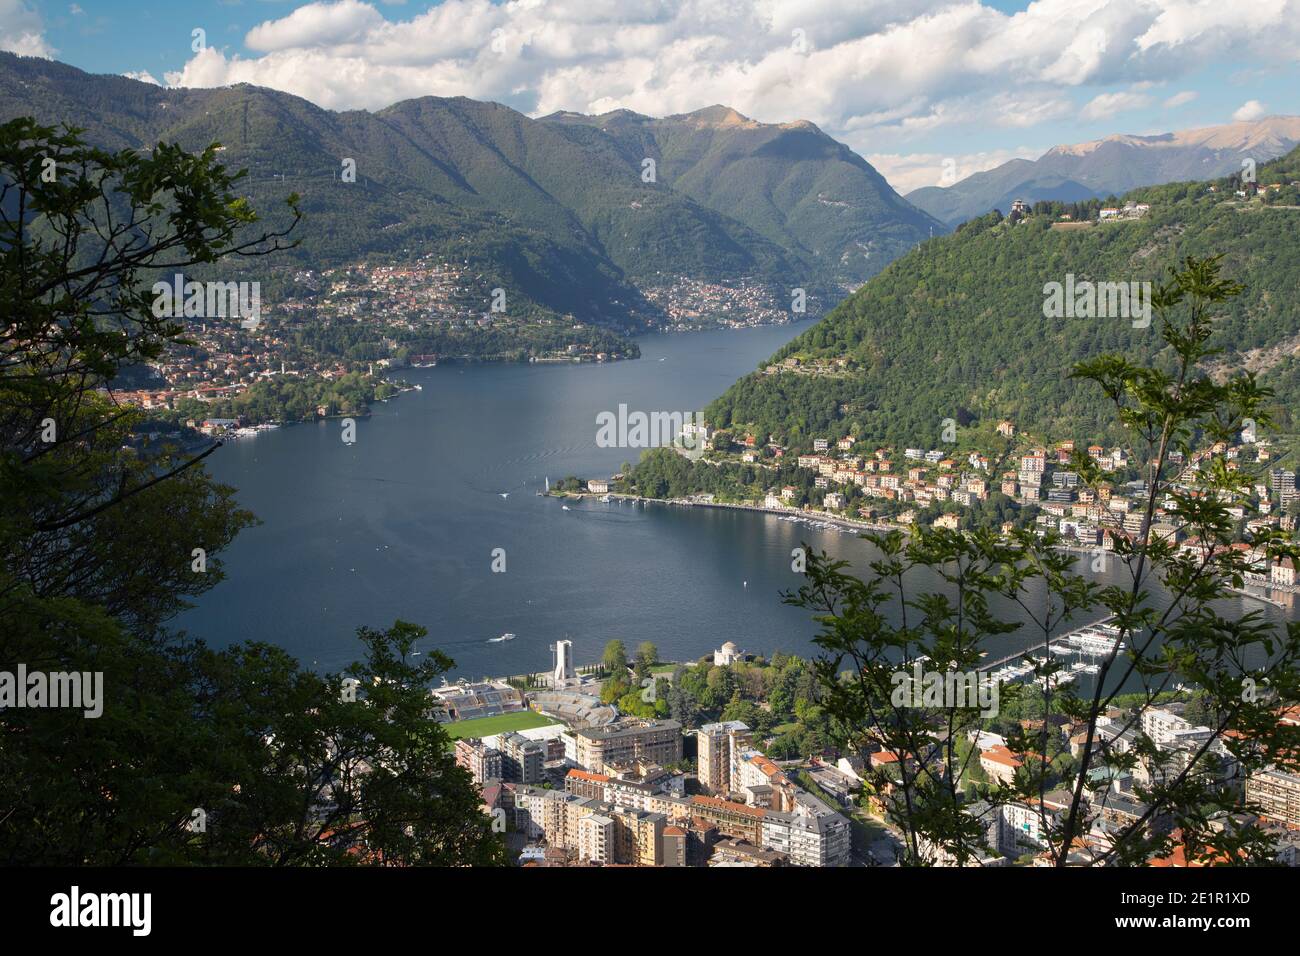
1000, 754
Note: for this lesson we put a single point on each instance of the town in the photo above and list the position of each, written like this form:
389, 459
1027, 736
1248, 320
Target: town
572, 781
1007, 482
601, 788
361, 320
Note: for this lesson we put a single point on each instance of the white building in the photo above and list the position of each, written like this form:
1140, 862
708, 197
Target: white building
727, 654
812, 835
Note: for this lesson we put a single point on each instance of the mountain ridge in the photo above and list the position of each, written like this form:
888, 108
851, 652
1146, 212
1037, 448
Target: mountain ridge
1110, 166
556, 209
956, 330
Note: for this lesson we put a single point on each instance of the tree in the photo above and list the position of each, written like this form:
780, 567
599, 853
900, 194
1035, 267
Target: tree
647, 653
345, 779
196, 755
615, 658
740, 709
1244, 670
682, 705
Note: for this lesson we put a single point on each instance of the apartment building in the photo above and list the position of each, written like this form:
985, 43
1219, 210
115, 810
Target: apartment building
654, 741
762, 783
1282, 482
482, 762
1000, 763
731, 819
674, 846
1021, 829
1277, 794
1166, 726
596, 838
718, 747
522, 760
812, 834
638, 836
551, 815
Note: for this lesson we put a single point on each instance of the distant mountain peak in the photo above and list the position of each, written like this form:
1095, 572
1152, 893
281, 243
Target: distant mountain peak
733, 198
1112, 165
717, 115
1270, 131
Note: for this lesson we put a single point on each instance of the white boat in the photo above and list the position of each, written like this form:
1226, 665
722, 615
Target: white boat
507, 636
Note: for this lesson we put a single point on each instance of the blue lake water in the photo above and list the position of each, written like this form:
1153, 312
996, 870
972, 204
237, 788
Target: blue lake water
403, 523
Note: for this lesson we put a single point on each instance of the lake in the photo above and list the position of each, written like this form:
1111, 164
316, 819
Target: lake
404, 523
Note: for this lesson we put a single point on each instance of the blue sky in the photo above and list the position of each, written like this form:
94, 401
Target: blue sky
910, 84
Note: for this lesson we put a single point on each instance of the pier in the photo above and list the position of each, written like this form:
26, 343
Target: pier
1066, 644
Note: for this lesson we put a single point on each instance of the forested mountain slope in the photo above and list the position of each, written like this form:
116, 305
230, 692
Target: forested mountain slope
956, 329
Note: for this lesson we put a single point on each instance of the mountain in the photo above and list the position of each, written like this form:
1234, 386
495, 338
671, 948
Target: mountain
1111, 166
956, 328
555, 210
825, 206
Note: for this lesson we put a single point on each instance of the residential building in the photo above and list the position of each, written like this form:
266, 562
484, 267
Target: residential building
482, 762
1000, 763
522, 760
1277, 794
596, 838
718, 748
657, 741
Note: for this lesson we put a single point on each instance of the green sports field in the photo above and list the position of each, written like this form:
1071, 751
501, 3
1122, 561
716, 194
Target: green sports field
485, 726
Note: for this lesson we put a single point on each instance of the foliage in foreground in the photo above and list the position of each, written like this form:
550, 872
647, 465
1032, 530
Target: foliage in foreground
199, 756
1242, 670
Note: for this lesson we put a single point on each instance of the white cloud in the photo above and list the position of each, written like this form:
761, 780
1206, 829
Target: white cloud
1107, 105
1250, 110
1180, 99
319, 24
22, 30
144, 76
876, 75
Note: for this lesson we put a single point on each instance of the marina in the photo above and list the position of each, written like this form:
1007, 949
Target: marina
1090, 643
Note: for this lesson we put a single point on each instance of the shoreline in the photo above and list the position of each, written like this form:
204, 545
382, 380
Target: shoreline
797, 514
850, 524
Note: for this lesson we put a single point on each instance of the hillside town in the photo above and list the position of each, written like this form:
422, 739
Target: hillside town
1015, 831
1013, 482
688, 303
364, 318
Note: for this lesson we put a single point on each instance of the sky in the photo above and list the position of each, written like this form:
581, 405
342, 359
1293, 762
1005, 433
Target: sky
924, 89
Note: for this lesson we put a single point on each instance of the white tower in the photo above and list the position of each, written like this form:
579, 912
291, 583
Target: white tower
562, 659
